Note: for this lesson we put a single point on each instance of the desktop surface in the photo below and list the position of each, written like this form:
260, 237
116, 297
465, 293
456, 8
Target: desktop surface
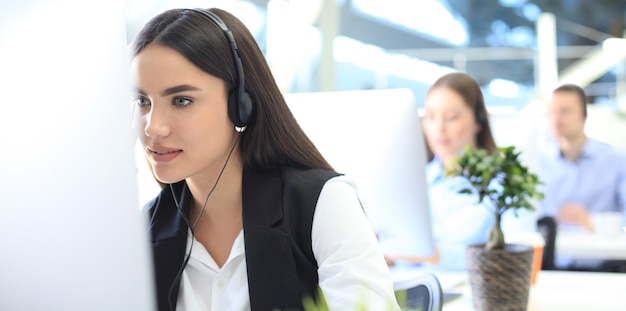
564, 290
554, 290
587, 245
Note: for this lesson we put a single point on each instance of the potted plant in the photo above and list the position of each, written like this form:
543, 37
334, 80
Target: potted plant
499, 273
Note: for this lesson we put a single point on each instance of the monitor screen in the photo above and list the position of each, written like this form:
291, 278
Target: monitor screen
71, 235
375, 137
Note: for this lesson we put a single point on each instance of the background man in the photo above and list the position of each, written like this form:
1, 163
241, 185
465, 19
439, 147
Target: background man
582, 176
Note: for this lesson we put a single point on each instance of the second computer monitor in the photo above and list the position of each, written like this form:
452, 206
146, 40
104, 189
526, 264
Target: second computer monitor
375, 137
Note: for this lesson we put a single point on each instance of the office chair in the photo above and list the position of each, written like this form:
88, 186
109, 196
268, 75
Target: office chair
547, 226
427, 295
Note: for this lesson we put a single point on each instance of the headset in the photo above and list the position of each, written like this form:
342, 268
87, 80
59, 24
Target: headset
480, 116
240, 104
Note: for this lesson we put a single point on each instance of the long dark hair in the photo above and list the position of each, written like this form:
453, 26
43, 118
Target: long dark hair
469, 90
273, 138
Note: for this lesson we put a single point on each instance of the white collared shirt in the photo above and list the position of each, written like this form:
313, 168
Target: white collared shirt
352, 271
206, 286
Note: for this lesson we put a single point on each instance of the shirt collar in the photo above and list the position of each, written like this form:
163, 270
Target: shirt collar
590, 149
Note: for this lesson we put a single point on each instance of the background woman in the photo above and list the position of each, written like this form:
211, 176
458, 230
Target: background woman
454, 117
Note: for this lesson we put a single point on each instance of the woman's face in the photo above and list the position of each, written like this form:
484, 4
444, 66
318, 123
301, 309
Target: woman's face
449, 123
180, 113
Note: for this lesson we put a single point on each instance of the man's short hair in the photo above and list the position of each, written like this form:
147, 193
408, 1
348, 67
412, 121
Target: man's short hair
573, 88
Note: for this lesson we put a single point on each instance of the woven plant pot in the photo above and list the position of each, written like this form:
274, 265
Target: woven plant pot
500, 279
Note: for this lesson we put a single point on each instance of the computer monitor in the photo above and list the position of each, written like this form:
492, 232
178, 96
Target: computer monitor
375, 137
71, 235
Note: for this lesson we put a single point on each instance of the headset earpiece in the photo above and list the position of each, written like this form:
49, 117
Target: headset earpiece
240, 105
245, 107
239, 109
480, 116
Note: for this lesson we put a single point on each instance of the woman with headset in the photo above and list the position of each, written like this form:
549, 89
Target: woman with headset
250, 215
455, 116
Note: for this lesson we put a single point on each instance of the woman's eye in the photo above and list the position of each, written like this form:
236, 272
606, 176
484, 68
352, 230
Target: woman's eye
182, 101
141, 102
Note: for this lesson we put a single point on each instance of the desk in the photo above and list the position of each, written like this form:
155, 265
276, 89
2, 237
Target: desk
585, 245
560, 290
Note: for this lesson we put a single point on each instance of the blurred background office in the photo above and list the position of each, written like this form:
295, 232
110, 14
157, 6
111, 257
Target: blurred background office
517, 50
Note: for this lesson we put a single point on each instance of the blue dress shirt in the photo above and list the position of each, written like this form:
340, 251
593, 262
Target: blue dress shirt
597, 179
458, 220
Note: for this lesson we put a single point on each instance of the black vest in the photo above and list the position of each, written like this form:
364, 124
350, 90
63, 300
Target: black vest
278, 210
